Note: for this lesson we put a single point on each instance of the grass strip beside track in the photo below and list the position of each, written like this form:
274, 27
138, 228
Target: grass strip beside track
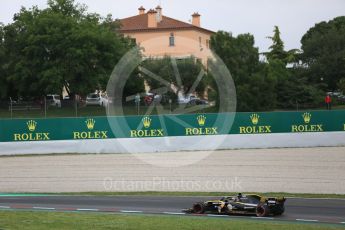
39, 220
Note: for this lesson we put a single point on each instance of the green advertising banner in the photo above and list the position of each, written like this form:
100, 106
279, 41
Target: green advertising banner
12, 130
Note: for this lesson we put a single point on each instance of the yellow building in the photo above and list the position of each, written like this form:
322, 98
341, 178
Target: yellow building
160, 36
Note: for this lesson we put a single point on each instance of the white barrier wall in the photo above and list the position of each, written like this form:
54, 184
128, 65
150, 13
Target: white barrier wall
172, 144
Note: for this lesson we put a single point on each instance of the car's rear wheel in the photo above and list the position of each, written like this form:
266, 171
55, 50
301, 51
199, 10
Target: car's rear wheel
261, 211
199, 208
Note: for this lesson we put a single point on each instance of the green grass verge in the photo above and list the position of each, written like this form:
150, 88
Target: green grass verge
25, 220
216, 194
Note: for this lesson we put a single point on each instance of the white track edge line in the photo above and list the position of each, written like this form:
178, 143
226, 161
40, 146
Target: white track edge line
216, 215
87, 209
43, 208
307, 220
127, 211
264, 218
174, 213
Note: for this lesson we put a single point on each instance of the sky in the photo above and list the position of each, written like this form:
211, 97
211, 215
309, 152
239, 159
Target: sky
257, 17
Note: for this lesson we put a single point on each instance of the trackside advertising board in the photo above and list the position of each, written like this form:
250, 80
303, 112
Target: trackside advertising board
19, 130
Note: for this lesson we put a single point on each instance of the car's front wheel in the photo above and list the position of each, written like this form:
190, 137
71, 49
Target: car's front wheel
199, 208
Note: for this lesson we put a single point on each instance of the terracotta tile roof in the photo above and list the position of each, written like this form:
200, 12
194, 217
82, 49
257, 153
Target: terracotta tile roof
139, 23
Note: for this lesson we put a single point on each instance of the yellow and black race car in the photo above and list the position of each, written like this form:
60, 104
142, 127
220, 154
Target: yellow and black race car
241, 204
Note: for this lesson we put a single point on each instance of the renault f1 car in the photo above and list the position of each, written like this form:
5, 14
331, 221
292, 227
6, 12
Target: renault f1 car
250, 204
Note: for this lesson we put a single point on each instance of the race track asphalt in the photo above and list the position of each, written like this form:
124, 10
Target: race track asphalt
297, 209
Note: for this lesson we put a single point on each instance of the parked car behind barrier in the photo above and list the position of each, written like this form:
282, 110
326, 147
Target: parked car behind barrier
97, 99
53, 100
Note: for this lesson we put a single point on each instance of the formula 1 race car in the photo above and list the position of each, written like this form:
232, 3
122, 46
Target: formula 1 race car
241, 204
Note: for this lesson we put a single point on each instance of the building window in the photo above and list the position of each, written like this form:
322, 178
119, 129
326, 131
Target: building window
172, 40
200, 41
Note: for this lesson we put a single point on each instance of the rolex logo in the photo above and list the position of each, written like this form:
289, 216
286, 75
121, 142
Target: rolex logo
201, 120
306, 118
146, 122
255, 118
91, 133
90, 124
202, 130
32, 135
255, 128
31, 125
306, 127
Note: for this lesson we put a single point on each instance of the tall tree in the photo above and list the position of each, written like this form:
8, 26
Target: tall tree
292, 89
277, 49
255, 87
324, 52
239, 53
61, 47
180, 73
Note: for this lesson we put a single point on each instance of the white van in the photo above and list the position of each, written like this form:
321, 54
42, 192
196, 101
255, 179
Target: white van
53, 100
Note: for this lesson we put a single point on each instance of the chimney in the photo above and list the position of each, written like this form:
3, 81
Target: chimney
159, 13
152, 18
196, 19
141, 10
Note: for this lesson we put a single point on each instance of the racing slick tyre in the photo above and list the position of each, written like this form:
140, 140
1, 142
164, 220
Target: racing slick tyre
262, 210
198, 208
